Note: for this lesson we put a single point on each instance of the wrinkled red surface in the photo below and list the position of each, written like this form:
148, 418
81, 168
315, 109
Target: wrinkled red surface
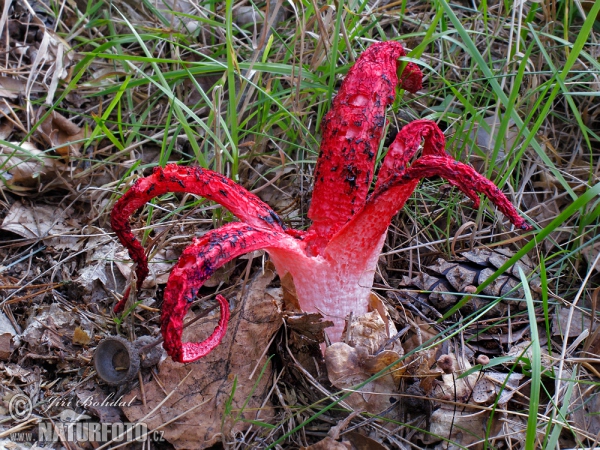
196, 264
193, 180
352, 131
334, 263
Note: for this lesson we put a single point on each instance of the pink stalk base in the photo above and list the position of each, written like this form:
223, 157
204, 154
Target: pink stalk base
333, 286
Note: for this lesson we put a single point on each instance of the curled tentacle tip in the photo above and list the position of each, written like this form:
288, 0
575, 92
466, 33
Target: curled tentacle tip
526, 227
120, 306
411, 78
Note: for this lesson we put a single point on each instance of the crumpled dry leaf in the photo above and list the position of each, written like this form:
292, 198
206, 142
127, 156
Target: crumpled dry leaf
173, 10
306, 333
454, 388
99, 268
349, 364
466, 424
579, 322
304, 326
11, 87
523, 350
98, 402
419, 364
464, 428
62, 135
9, 338
25, 166
160, 266
47, 325
590, 253
55, 226
490, 385
329, 444
239, 358
585, 404
486, 141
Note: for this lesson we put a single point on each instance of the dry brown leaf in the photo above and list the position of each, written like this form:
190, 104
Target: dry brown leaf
240, 357
309, 325
306, 332
160, 266
353, 363
465, 428
585, 404
5, 346
361, 442
579, 322
490, 385
9, 339
55, 226
62, 135
454, 388
24, 166
328, 444
590, 253
464, 425
290, 298
348, 367
11, 87
523, 350
419, 364
221, 275
55, 55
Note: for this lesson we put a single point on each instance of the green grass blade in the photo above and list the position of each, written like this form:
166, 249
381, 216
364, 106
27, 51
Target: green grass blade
536, 367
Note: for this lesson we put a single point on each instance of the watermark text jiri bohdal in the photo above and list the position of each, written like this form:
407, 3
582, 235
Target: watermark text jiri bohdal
77, 428
87, 402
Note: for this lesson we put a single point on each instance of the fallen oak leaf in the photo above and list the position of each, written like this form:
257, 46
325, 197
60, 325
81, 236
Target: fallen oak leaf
62, 135
239, 359
23, 166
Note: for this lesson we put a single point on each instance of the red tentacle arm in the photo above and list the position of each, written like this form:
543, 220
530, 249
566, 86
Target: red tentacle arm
196, 264
389, 198
411, 78
193, 180
464, 177
407, 143
352, 130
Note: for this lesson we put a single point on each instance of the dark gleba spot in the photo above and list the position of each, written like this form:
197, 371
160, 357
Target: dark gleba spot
379, 120
269, 219
350, 175
223, 192
277, 219
178, 181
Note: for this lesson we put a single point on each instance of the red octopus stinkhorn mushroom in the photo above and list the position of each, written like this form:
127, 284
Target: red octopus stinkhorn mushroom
333, 262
